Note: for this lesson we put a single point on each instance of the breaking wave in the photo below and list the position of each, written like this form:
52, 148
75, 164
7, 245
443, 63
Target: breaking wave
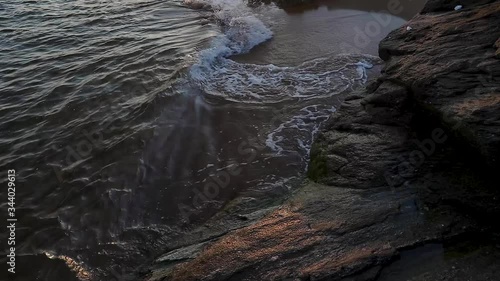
311, 84
218, 75
242, 31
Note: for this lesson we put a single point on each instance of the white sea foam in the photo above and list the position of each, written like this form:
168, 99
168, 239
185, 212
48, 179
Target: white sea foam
319, 78
242, 31
311, 83
303, 125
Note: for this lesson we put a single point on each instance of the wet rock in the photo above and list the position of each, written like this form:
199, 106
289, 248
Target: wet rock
181, 254
322, 232
433, 6
387, 171
353, 223
455, 79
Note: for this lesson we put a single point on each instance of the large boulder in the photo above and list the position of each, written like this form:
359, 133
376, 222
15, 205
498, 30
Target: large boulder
449, 63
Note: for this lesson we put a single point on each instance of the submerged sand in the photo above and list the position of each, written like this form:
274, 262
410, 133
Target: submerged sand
328, 28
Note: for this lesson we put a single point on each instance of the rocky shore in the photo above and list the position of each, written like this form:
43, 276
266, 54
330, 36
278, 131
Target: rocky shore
402, 178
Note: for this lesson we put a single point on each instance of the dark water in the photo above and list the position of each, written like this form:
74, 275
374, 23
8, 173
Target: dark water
127, 121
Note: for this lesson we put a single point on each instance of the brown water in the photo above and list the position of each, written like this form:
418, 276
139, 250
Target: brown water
127, 123
329, 28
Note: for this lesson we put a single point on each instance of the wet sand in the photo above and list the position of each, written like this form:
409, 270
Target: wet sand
328, 28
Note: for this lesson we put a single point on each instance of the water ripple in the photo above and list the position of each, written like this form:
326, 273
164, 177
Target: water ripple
81, 85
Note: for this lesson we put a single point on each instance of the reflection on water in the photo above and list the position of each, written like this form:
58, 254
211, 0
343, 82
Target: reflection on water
82, 85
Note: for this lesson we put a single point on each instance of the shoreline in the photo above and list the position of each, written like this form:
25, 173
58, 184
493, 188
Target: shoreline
364, 206
333, 28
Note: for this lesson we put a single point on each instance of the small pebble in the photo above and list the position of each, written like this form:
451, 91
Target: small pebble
408, 28
241, 217
458, 7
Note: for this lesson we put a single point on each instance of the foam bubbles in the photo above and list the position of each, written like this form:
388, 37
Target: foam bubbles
309, 86
303, 125
319, 78
218, 75
242, 31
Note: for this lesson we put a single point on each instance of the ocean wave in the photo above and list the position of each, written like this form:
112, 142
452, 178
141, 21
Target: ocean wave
242, 31
217, 75
310, 84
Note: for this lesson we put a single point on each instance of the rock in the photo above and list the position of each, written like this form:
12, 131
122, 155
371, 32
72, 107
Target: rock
388, 170
354, 223
455, 80
242, 217
350, 231
497, 45
181, 254
357, 147
433, 6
